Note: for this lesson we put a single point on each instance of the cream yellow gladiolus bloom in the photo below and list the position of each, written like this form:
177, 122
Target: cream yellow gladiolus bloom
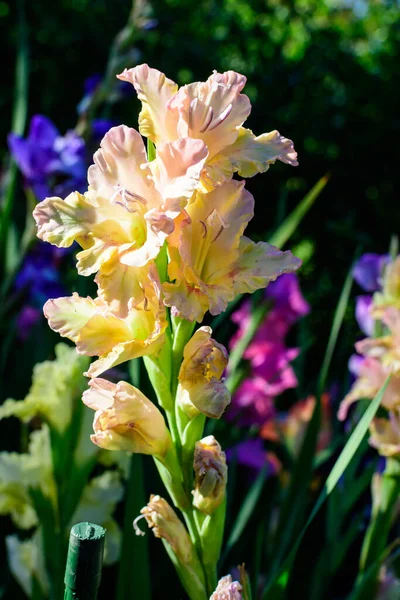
125, 419
212, 111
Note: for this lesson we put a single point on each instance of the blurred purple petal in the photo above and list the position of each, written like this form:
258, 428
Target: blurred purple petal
26, 320
100, 127
367, 271
48, 160
20, 151
42, 132
355, 362
39, 277
91, 83
286, 293
363, 314
252, 454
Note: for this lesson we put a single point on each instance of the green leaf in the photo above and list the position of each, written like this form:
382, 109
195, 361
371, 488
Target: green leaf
334, 334
246, 511
277, 586
291, 223
293, 507
18, 125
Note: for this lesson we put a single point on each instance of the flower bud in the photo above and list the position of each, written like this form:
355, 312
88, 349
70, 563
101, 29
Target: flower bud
227, 590
125, 419
162, 519
200, 386
211, 475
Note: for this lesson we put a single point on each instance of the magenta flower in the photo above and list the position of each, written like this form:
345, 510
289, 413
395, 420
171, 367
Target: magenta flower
253, 402
271, 372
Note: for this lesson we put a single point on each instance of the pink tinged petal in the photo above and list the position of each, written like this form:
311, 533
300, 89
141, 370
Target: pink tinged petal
100, 394
260, 263
69, 315
61, 222
177, 170
212, 110
185, 300
118, 172
371, 376
155, 91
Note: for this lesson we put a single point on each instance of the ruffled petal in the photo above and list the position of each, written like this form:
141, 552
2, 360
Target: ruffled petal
154, 90
260, 263
177, 170
212, 111
61, 222
68, 315
207, 252
119, 171
250, 155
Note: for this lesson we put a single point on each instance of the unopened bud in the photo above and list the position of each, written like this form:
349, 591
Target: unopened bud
211, 474
164, 522
200, 386
125, 419
227, 590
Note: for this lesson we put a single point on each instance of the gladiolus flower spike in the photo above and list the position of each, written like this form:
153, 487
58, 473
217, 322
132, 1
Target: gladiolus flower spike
181, 201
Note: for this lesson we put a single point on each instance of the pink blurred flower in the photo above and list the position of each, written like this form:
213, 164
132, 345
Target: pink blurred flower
271, 372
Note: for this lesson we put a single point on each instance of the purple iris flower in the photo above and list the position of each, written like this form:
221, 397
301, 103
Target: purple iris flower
368, 269
50, 163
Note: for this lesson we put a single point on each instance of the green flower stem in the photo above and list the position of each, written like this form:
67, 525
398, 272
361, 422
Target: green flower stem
182, 332
189, 576
171, 474
211, 529
161, 386
377, 534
